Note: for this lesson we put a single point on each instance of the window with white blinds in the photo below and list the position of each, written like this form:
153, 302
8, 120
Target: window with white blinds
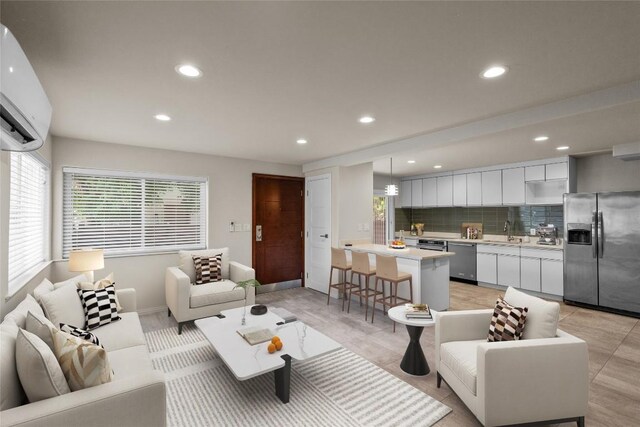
126, 213
28, 217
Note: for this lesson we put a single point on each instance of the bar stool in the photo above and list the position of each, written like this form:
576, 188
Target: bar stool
362, 267
339, 262
387, 267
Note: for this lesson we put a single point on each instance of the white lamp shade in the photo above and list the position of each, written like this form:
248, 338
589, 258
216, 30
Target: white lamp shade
86, 260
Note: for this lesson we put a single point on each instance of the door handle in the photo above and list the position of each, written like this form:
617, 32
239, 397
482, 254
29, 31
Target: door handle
258, 233
326, 236
600, 235
594, 235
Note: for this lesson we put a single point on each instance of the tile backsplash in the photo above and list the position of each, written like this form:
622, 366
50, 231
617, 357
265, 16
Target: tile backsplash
448, 220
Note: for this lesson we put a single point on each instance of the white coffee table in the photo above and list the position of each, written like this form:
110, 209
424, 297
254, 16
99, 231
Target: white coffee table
413, 361
300, 342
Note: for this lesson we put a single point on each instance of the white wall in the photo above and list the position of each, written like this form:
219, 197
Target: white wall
230, 199
8, 304
356, 202
380, 181
603, 172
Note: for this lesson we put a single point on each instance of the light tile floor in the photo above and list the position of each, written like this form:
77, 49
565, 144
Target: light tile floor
614, 347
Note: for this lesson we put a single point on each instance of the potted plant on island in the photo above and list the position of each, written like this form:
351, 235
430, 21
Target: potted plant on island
244, 284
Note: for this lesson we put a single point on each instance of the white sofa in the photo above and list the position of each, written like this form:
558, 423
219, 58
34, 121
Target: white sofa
136, 396
187, 301
533, 380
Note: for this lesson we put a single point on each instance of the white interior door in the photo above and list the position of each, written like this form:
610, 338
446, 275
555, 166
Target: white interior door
318, 232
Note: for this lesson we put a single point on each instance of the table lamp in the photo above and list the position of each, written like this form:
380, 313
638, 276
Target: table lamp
85, 261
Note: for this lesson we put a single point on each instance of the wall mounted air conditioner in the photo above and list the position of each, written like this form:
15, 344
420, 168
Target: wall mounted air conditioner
25, 111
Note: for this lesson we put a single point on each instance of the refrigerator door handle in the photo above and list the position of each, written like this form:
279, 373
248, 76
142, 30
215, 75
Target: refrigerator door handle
594, 236
600, 235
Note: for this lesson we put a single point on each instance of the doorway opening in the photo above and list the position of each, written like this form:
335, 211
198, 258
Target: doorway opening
383, 218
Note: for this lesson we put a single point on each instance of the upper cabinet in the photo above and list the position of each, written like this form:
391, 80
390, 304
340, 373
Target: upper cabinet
405, 194
474, 189
460, 190
513, 186
529, 183
492, 188
445, 190
416, 193
557, 171
430, 192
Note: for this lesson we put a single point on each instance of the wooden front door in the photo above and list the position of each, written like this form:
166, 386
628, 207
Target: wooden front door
278, 224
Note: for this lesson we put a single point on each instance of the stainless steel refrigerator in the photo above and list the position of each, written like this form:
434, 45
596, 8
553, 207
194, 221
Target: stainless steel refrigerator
602, 250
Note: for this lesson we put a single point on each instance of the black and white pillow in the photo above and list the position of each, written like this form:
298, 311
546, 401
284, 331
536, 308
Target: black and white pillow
507, 322
99, 305
80, 333
208, 268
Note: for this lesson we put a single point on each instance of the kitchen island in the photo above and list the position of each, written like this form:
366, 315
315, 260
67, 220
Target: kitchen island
429, 269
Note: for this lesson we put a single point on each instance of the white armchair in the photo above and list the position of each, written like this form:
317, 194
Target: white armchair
513, 382
187, 302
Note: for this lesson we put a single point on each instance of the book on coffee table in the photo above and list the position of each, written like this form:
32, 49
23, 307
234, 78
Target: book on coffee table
418, 311
256, 334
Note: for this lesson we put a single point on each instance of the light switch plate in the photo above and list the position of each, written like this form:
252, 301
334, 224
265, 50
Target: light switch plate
246, 227
232, 227
238, 227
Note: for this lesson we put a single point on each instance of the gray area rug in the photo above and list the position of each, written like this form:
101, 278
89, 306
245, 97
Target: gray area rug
339, 389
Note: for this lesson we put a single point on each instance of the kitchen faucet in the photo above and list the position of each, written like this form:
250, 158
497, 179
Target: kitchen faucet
508, 230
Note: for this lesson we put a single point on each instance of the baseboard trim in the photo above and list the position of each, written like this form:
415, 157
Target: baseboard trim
272, 287
151, 310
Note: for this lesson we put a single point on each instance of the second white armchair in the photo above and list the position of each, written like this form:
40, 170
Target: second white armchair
187, 301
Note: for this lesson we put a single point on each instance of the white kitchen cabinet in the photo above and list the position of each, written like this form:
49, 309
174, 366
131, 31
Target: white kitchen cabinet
552, 277
429, 192
445, 190
534, 173
557, 171
416, 193
530, 274
513, 186
509, 270
405, 194
474, 189
487, 270
546, 192
460, 190
492, 188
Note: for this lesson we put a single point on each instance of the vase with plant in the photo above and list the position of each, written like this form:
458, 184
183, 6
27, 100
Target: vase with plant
244, 284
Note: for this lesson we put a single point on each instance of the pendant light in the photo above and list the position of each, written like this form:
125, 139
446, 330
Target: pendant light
391, 189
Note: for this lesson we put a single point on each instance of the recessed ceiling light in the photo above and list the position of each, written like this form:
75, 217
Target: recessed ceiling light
301, 141
562, 148
366, 119
411, 161
188, 70
162, 117
541, 138
493, 72
437, 167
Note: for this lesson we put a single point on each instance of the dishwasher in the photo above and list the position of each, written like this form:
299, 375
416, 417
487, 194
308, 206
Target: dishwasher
462, 266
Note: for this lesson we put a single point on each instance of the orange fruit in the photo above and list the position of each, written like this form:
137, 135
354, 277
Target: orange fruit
271, 348
279, 345
275, 339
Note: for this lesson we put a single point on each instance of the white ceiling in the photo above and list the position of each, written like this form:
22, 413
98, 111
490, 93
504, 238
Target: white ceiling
277, 71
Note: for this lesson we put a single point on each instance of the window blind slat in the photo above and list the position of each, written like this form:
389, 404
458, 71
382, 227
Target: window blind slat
132, 214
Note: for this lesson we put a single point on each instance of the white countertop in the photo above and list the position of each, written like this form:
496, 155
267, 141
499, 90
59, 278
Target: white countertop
408, 253
492, 240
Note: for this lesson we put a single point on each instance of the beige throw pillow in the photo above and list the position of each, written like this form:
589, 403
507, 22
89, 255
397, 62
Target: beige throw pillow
64, 306
40, 326
84, 364
38, 368
18, 316
100, 284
